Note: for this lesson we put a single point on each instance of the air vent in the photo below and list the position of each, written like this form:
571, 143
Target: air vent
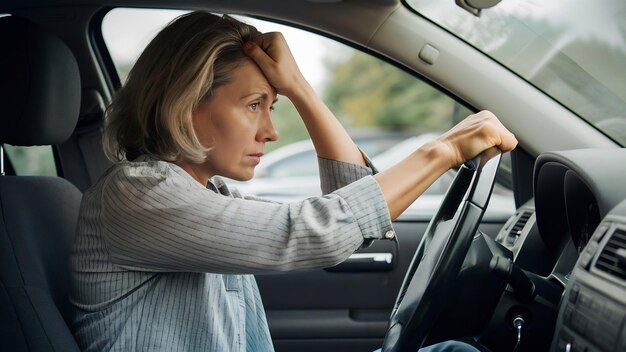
517, 228
613, 257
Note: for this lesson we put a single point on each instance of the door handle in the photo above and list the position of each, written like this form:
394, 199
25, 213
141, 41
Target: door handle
365, 262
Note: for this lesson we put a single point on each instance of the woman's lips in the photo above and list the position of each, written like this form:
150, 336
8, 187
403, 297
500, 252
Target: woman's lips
256, 158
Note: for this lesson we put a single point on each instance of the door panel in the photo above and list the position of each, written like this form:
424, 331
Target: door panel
341, 310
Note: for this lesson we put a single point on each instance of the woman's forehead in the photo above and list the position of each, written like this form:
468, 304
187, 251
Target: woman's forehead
247, 78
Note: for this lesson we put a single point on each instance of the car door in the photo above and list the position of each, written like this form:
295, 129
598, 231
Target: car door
346, 307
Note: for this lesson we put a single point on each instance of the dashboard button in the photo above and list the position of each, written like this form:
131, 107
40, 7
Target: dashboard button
613, 314
597, 236
573, 294
585, 259
585, 300
605, 338
591, 328
567, 314
579, 322
597, 306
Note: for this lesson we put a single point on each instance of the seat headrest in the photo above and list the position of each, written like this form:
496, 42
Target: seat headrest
39, 85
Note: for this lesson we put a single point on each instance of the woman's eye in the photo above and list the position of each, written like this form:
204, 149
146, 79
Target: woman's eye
254, 106
272, 108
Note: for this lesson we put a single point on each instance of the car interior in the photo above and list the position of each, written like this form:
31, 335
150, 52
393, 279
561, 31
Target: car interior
549, 276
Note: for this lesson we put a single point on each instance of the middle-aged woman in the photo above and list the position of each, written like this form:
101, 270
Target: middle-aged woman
165, 251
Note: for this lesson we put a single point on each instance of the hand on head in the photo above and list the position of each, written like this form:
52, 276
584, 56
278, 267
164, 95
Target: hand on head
472, 136
271, 53
475, 134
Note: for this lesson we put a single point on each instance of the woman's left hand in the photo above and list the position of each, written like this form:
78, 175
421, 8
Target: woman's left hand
271, 53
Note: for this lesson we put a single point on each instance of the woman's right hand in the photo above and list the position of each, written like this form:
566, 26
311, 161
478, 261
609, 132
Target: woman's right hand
475, 134
408, 179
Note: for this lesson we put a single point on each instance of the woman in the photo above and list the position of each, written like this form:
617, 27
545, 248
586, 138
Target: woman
165, 250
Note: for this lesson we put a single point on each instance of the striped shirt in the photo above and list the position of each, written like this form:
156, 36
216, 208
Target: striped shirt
162, 263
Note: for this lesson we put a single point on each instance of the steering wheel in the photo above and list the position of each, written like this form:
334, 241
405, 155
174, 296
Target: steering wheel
440, 254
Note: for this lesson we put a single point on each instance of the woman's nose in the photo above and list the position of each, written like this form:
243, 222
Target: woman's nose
267, 131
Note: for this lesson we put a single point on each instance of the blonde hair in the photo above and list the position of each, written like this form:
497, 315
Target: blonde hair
151, 114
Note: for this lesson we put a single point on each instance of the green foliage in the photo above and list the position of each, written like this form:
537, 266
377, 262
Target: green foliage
289, 124
365, 91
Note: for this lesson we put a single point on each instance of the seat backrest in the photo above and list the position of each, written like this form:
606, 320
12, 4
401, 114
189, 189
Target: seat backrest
39, 105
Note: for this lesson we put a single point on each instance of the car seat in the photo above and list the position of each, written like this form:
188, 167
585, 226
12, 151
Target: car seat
39, 100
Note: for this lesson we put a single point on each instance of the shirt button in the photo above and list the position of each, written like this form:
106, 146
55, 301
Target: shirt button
390, 234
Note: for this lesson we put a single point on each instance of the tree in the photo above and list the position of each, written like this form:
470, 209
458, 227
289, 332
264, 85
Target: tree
288, 122
365, 91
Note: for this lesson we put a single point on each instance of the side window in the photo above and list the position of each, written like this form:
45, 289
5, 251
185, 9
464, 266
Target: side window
295, 165
378, 103
387, 111
31, 161
127, 31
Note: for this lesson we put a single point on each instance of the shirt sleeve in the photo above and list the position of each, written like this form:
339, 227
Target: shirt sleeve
158, 220
335, 174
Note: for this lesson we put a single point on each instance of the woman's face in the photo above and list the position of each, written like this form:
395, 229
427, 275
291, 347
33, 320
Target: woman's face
236, 123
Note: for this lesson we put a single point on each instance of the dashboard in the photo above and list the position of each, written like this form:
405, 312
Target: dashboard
571, 237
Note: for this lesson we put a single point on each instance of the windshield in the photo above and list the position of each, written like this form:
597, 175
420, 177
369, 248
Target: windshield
573, 50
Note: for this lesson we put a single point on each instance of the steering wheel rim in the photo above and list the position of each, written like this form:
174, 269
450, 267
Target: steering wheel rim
440, 254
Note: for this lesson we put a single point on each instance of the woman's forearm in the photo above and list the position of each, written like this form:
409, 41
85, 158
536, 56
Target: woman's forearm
329, 137
408, 179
